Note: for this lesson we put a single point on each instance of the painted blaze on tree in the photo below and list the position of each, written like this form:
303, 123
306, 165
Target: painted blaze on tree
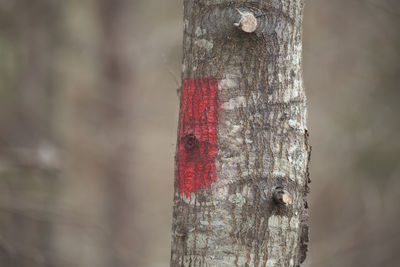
198, 125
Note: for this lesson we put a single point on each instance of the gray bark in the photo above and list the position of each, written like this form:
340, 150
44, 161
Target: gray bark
262, 138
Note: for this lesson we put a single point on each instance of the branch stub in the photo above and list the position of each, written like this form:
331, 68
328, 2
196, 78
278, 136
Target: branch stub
282, 197
248, 22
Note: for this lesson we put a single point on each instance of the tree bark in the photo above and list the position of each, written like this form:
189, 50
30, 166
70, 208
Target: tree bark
241, 200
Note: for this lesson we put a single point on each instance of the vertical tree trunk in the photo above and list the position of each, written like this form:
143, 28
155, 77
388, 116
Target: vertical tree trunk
243, 154
29, 162
94, 107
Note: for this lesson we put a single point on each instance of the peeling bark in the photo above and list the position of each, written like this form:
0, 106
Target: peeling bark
262, 138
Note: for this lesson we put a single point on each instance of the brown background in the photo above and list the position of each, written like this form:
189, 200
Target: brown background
88, 117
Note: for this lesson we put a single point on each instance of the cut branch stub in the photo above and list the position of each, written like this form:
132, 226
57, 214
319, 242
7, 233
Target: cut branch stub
282, 197
248, 22
227, 20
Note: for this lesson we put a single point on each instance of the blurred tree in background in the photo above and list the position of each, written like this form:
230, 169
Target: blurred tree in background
29, 159
65, 92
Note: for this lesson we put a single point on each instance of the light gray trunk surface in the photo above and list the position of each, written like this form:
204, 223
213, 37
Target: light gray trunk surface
262, 138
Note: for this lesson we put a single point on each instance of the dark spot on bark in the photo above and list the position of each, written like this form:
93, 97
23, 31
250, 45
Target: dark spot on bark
309, 150
181, 231
293, 73
304, 233
303, 243
202, 196
271, 89
250, 235
191, 142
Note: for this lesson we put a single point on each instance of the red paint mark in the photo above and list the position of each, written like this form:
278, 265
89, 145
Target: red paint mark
198, 126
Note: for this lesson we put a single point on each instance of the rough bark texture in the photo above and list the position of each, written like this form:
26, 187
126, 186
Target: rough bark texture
262, 138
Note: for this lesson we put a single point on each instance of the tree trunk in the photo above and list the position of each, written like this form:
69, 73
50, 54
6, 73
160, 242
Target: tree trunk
94, 105
29, 153
242, 154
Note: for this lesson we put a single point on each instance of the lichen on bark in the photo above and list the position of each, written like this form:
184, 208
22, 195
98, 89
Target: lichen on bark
262, 138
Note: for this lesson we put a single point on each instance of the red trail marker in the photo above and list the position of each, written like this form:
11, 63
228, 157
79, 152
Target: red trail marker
198, 127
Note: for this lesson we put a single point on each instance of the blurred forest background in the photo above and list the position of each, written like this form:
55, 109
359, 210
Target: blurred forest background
88, 117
